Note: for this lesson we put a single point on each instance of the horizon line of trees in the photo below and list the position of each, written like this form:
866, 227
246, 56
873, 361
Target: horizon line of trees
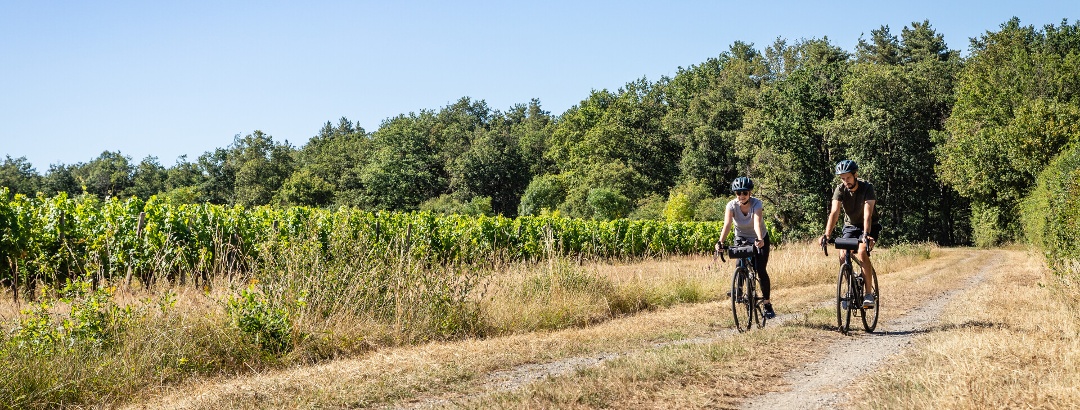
952, 144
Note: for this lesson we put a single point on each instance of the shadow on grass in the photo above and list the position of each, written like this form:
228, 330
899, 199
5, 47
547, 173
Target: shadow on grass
946, 327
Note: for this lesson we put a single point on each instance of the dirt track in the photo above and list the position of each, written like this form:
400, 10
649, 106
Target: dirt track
811, 384
819, 385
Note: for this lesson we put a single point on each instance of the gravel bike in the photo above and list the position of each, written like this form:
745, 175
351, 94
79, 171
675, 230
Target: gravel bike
745, 302
849, 288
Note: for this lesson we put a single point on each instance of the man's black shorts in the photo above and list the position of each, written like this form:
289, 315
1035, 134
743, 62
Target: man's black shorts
851, 231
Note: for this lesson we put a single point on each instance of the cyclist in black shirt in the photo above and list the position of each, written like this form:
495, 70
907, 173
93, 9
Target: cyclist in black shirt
857, 199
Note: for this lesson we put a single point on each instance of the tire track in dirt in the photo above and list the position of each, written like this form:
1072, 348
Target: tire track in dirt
883, 343
512, 379
820, 385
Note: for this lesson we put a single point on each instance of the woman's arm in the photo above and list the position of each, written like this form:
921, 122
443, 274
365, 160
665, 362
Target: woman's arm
759, 228
727, 227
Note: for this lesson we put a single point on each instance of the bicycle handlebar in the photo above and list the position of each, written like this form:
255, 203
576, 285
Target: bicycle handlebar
724, 249
845, 243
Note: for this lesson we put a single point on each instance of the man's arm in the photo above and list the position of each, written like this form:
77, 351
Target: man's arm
868, 212
830, 222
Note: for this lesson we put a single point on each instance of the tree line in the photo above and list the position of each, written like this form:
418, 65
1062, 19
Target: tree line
953, 144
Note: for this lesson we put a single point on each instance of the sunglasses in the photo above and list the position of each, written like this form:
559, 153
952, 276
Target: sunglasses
742, 193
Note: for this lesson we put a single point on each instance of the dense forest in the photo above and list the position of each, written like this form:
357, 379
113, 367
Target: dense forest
954, 145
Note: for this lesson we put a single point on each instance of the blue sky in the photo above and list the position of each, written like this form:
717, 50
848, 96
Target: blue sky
174, 78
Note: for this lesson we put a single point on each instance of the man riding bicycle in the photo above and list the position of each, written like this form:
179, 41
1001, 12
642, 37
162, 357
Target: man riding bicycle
857, 198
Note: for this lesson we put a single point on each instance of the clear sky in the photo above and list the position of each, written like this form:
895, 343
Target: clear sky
169, 78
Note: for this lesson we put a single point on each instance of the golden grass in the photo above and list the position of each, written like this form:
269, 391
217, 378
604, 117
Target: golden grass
1012, 343
700, 372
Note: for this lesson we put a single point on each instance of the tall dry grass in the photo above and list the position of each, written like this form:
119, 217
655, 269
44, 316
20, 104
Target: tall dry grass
363, 300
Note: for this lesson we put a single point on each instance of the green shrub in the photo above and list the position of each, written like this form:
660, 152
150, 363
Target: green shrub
263, 320
1051, 214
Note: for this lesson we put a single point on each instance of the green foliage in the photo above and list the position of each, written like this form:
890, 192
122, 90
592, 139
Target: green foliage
710, 209
988, 227
1051, 216
1016, 108
544, 192
649, 207
148, 178
608, 203
110, 174
54, 239
786, 142
678, 208
448, 205
93, 320
305, 188
403, 169
19, 176
492, 167
264, 320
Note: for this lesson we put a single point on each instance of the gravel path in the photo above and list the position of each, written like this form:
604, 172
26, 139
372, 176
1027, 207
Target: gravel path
819, 385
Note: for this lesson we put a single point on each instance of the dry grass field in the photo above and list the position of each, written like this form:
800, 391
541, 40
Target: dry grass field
658, 334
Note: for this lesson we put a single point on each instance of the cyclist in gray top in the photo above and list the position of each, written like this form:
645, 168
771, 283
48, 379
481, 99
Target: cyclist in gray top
744, 212
857, 199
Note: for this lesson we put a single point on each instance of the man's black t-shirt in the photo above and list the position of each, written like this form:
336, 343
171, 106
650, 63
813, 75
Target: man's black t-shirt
853, 202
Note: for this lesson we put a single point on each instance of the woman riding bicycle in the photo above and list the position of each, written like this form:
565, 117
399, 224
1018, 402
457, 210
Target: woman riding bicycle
745, 213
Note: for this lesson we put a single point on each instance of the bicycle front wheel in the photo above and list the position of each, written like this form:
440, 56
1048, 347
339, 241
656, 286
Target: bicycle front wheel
844, 298
740, 308
870, 316
757, 314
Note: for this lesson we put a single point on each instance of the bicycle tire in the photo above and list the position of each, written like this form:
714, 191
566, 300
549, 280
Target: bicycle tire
739, 311
844, 293
757, 315
869, 324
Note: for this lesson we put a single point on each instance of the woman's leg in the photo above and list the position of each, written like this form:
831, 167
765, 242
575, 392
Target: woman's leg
761, 263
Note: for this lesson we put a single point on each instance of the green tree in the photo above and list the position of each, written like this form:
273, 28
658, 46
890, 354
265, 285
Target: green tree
305, 188
337, 155
708, 103
261, 165
492, 167
785, 141
110, 174
182, 181
218, 183
404, 169
608, 203
616, 141
891, 105
544, 192
19, 176
1017, 105
532, 127
61, 178
148, 179
883, 48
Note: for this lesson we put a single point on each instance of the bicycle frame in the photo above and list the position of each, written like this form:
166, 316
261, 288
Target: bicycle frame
744, 285
850, 288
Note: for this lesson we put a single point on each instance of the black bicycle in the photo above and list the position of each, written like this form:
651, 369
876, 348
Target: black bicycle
849, 289
745, 302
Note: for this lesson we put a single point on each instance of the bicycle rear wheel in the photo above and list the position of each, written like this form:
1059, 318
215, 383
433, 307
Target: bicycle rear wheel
870, 316
844, 298
740, 291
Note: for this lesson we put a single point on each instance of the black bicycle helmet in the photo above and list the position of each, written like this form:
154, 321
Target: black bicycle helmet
846, 166
742, 184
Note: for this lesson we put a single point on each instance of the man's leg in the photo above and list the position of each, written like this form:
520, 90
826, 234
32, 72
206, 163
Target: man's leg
867, 269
